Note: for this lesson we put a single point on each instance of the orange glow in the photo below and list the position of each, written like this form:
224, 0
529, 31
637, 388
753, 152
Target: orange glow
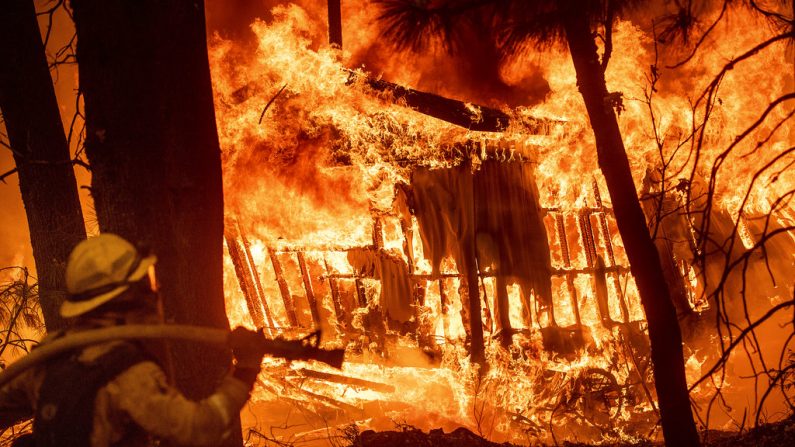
315, 188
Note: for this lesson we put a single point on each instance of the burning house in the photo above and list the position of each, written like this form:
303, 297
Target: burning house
466, 257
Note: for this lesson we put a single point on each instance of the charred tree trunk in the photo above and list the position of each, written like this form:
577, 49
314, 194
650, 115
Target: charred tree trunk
41, 153
666, 340
153, 146
335, 23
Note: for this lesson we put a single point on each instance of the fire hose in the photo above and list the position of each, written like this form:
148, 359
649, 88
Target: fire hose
302, 349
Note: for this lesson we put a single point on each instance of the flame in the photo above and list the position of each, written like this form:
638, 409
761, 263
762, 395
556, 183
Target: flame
312, 162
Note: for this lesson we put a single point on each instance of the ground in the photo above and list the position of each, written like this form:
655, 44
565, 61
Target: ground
770, 435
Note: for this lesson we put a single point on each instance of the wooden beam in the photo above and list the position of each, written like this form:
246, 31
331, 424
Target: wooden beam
339, 311
469, 116
361, 293
377, 386
610, 252
310, 293
257, 282
244, 280
284, 289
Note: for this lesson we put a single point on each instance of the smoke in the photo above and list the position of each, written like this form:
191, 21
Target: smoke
477, 74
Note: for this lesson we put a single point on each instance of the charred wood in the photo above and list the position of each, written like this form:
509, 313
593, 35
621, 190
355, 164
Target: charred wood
584, 219
339, 311
337, 378
307, 396
378, 234
600, 286
460, 437
444, 303
361, 293
245, 281
310, 293
284, 288
469, 116
257, 281
613, 269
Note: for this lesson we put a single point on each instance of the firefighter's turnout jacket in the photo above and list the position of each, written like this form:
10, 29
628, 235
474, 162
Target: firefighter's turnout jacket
117, 397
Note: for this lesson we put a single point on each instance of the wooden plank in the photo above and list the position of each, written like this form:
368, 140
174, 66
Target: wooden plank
589, 246
361, 293
602, 296
339, 312
257, 282
603, 224
244, 280
310, 293
378, 234
560, 225
284, 289
310, 396
337, 378
444, 303
622, 301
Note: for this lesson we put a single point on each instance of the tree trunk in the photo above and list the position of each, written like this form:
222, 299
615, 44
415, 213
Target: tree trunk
153, 147
335, 23
665, 337
46, 177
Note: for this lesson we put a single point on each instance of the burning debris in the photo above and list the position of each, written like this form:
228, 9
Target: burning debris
466, 251
463, 231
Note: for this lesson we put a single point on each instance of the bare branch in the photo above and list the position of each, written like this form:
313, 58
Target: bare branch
7, 174
725, 356
262, 115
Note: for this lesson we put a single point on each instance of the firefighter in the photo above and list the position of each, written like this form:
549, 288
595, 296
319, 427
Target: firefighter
115, 394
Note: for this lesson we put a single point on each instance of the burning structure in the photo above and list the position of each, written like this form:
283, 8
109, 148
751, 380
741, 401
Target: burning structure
467, 257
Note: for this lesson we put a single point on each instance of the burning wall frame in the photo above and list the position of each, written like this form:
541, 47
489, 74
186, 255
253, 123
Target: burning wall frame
581, 242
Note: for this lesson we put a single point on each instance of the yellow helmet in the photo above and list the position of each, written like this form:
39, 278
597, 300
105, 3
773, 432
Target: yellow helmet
100, 269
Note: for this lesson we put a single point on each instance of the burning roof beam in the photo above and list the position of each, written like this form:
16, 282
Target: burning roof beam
469, 116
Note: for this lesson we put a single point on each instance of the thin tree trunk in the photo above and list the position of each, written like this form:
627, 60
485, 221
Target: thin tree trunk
46, 176
153, 146
666, 341
335, 23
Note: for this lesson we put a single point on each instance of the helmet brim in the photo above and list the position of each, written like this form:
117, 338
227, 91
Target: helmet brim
71, 309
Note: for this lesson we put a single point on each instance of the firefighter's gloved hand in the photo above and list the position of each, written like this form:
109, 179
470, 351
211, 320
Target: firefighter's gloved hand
248, 347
